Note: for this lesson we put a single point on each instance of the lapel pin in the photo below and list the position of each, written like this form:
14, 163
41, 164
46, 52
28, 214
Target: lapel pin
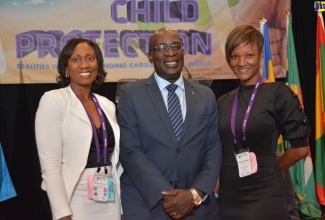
192, 92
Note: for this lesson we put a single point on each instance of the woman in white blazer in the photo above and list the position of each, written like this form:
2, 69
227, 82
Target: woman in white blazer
73, 135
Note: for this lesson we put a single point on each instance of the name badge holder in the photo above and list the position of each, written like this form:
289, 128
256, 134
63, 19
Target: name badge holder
246, 160
103, 188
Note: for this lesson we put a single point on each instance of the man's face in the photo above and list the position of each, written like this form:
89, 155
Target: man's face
168, 61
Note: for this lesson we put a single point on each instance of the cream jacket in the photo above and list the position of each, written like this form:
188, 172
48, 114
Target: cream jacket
63, 137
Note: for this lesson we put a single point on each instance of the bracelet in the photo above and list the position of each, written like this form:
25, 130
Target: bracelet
216, 195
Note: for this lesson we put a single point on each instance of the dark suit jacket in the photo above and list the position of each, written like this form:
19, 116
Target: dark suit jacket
151, 156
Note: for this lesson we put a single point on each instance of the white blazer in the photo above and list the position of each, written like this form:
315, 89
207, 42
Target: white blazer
63, 136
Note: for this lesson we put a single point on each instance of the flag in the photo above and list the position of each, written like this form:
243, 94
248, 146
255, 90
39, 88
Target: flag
302, 173
319, 111
7, 189
268, 72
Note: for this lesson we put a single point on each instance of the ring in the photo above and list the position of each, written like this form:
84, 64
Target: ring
174, 213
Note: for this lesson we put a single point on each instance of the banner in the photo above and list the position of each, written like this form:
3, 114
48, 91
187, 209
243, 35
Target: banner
33, 33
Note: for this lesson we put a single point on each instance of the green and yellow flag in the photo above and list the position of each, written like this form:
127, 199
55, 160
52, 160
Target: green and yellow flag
302, 172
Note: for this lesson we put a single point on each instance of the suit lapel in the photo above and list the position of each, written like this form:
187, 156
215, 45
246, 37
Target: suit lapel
190, 107
158, 102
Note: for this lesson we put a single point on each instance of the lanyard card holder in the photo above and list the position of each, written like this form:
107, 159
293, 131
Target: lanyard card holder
103, 189
244, 162
100, 192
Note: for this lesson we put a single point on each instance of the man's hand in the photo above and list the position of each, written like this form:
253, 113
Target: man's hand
178, 203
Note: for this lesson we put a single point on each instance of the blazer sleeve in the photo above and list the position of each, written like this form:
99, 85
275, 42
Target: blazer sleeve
48, 128
144, 174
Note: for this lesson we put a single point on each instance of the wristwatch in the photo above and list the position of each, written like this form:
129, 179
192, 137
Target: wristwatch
197, 198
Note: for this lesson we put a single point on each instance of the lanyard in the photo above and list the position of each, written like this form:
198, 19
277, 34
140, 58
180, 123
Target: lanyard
102, 121
248, 110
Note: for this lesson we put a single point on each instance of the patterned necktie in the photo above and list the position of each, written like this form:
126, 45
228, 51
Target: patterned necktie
174, 110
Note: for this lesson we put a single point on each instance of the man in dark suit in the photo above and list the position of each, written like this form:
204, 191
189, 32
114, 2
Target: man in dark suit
166, 176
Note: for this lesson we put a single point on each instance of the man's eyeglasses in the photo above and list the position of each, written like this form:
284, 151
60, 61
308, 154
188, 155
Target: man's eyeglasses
164, 48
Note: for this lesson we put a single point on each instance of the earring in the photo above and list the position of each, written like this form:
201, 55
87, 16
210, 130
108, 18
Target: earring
67, 75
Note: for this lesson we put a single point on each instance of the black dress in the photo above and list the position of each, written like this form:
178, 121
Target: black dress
276, 110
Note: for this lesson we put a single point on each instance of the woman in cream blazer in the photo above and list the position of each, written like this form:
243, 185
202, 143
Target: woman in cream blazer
64, 134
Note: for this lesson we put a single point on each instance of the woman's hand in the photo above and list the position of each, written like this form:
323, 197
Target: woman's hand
292, 156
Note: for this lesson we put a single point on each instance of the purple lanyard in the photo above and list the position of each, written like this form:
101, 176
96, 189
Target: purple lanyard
102, 121
248, 110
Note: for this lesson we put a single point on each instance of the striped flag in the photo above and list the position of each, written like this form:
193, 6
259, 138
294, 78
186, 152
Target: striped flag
302, 173
268, 72
319, 111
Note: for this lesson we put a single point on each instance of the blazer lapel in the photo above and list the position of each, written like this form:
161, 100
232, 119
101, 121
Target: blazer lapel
77, 107
157, 100
110, 114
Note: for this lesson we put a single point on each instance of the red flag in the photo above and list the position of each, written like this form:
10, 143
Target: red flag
319, 111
